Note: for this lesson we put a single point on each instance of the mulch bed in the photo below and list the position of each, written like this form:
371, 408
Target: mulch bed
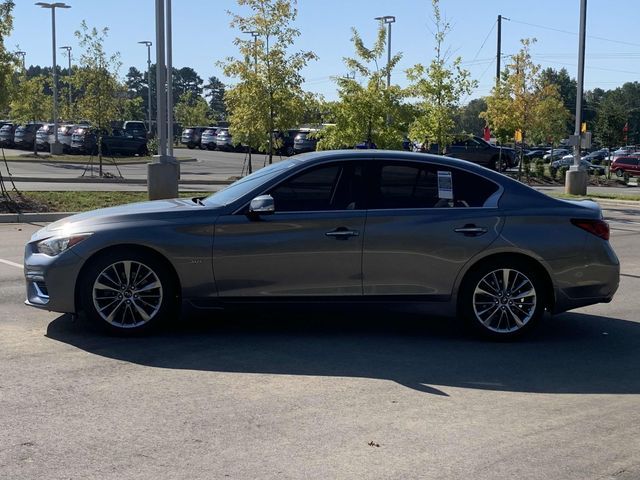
13, 202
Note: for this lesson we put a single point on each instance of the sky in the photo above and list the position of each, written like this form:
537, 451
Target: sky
202, 35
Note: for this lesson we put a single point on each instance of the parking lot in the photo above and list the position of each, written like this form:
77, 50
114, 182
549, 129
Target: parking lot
325, 394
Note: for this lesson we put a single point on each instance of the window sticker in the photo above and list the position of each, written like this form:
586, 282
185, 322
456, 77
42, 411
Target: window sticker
445, 185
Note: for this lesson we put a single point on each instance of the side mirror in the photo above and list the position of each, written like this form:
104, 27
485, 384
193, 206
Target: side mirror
262, 205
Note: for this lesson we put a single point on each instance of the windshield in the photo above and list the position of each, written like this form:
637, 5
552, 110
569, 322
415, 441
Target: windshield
243, 186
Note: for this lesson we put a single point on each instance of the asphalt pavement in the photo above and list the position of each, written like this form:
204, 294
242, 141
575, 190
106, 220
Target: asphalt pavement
274, 394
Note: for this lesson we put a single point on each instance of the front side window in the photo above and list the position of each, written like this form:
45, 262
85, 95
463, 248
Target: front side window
331, 187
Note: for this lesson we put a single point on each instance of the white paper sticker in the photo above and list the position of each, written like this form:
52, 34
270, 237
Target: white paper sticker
445, 185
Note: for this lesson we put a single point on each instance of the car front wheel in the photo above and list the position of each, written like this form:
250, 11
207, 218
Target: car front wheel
502, 300
128, 292
619, 173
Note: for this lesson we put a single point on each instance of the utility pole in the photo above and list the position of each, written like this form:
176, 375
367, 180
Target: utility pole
499, 48
576, 179
388, 19
68, 49
169, 82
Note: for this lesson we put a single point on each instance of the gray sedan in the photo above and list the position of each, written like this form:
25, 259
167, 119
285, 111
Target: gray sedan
359, 226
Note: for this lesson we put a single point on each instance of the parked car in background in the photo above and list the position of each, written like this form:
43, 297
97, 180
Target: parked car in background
208, 138
567, 161
224, 140
366, 145
191, 136
25, 135
533, 154
443, 235
305, 141
555, 154
7, 132
285, 141
477, 150
135, 128
628, 165
65, 133
42, 137
118, 142
597, 157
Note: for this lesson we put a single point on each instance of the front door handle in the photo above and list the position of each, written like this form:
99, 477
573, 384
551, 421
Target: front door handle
471, 230
342, 233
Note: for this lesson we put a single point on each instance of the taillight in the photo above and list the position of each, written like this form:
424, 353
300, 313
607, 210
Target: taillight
599, 228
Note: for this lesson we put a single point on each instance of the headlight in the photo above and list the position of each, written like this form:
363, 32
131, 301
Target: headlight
56, 245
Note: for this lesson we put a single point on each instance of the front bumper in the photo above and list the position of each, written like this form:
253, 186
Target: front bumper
51, 281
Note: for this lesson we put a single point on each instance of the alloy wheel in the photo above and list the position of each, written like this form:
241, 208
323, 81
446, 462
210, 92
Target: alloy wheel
504, 300
127, 294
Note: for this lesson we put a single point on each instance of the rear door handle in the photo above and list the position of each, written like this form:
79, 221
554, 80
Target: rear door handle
342, 233
471, 230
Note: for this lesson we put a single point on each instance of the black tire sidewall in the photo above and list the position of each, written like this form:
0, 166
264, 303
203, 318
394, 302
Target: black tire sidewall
465, 303
99, 263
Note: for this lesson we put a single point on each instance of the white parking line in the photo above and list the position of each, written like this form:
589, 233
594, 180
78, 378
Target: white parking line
11, 264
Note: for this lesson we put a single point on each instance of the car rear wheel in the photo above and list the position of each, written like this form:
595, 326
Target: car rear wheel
619, 173
128, 292
502, 300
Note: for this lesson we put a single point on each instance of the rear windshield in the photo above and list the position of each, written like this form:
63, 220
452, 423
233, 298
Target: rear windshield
21, 129
187, 131
223, 132
6, 128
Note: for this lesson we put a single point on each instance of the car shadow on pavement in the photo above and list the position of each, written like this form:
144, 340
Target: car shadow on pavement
569, 353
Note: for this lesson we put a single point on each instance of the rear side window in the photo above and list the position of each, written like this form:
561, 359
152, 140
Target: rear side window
411, 185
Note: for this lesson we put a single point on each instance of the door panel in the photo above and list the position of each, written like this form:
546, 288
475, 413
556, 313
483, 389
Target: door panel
418, 252
289, 254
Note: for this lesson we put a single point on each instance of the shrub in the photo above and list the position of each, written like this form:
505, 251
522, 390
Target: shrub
152, 146
562, 173
538, 168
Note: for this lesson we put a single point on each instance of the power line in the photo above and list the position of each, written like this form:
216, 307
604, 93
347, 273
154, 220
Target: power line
575, 33
484, 41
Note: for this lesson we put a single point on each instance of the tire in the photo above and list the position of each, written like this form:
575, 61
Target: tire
146, 297
620, 173
143, 151
499, 313
190, 146
290, 151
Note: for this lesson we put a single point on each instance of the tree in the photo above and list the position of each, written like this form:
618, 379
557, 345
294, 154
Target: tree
549, 116
367, 110
439, 88
275, 77
467, 118
191, 110
97, 77
29, 102
7, 60
215, 92
611, 119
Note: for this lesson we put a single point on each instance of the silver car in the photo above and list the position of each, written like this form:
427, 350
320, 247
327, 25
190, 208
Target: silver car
360, 226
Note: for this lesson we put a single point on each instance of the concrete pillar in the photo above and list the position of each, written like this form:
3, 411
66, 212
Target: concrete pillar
576, 181
162, 178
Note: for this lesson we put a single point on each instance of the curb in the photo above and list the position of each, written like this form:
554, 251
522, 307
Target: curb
127, 181
45, 160
33, 217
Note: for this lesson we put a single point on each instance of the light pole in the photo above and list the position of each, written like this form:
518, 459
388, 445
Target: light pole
576, 177
68, 49
148, 45
164, 171
255, 36
56, 146
22, 55
388, 19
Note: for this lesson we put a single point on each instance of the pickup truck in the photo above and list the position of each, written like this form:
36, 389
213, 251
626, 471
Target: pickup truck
118, 142
477, 150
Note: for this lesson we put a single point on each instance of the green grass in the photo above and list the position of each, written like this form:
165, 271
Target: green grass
83, 201
47, 158
596, 196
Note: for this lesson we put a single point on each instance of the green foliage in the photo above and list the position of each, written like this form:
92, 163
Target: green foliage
29, 102
468, 119
523, 100
562, 174
215, 92
367, 110
133, 109
539, 168
191, 110
97, 78
438, 88
610, 120
7, 60
268, 94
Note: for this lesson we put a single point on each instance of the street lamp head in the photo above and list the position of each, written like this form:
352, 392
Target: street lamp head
146, 42
386, 19
53, 5
67, 48
253, 33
